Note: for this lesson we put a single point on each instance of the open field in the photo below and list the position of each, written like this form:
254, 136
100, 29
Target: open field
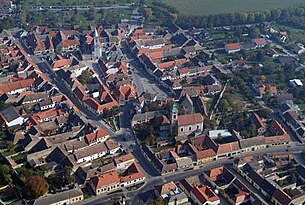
208, 7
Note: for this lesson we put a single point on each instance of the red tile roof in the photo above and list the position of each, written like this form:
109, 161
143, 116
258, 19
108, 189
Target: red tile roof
93, 137
16, 85
190, 119
133, 172
60, 63
228, 147
105, 179
205, 194
233, 46
260, 41
123, 158
277, 139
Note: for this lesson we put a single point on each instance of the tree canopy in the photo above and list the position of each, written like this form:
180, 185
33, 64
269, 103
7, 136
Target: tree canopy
36, 186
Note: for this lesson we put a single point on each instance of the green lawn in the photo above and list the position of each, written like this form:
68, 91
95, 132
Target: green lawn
207, 7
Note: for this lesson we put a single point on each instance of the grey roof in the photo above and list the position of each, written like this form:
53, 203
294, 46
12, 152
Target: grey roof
10, 114
54, 198
185, 161
147, 115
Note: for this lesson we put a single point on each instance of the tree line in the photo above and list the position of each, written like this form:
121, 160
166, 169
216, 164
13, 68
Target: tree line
292, 16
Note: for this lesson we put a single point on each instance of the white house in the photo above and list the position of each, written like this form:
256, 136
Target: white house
10, 117
190, 123
91, 153
134, 176
62, 198
124, 161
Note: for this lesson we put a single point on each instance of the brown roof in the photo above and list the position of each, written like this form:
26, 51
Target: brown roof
90, 150
205, 154
133, 172
258, 121
123, 158
228, 147
166, 188
60, 63
16, 85
233, 46
105, 179
260, 41
213, 173
205, 194
277, 139
190, 119
111, 144
92, 137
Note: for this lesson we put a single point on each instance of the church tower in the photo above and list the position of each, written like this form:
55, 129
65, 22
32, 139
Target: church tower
97, 52
174, 117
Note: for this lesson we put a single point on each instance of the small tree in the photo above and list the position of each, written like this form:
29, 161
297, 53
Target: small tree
5, 177
85, 77
36, 186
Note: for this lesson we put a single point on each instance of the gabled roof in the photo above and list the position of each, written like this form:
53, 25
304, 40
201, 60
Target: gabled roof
93, 137
260, 41
133, 172
205, 194
228, 147
123, 158
105, 179
190, 119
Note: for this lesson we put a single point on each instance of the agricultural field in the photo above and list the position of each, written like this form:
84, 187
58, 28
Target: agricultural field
208, 7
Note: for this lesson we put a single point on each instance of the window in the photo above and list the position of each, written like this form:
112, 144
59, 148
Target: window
197, 127
181, 129
190, 128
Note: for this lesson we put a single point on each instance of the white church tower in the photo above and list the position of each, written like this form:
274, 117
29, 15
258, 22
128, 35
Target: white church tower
97, 52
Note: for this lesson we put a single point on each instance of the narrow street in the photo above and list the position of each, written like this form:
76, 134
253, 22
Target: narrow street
63, 88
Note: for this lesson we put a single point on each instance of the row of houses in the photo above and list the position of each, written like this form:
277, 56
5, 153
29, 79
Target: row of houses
203, 149
254, 44
280, 187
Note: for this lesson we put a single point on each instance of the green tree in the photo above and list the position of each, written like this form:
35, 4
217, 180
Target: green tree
260, 56
5, 177
85, 77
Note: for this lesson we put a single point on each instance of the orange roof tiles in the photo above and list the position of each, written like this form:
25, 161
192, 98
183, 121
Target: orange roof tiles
92, 137
190, 119
205, 194
134, 172
60, 63
233, 46
228, 147
105, 179
277, 139
156, 55
16, 85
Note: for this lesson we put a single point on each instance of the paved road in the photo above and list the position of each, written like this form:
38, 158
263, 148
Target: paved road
140, 195
256, 193
144, 81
